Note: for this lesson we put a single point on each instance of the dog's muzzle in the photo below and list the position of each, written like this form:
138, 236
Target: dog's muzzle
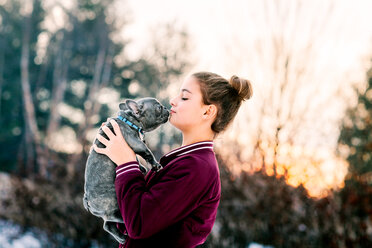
165, 116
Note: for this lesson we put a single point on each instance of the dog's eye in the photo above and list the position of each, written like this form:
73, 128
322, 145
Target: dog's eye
140, 106
159, 108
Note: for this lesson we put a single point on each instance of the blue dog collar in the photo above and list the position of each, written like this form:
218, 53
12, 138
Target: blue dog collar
130, 124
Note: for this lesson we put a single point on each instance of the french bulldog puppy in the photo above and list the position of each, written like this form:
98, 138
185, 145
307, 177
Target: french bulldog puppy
134, 118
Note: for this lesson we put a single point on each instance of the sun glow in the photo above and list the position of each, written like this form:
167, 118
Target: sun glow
319, 171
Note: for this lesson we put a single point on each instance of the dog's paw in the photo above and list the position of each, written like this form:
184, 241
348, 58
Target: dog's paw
143, 169
157, 167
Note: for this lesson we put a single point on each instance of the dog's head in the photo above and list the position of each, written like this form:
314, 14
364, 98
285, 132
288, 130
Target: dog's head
148, 111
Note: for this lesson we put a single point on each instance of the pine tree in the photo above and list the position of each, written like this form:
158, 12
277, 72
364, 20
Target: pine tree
355, 198
356, 135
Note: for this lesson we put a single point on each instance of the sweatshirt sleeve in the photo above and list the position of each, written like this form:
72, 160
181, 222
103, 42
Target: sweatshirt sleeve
148, 211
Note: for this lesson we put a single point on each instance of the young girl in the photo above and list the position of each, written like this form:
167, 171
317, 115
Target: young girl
177, 206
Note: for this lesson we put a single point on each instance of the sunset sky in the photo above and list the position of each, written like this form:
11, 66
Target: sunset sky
226, 33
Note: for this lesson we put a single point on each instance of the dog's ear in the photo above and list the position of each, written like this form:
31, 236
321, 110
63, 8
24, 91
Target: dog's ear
133, 107
123, 106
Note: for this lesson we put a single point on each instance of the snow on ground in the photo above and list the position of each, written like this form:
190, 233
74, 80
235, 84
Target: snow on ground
12, 236
255, 245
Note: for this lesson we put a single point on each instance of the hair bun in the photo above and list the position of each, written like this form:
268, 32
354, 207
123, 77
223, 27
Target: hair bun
242, 86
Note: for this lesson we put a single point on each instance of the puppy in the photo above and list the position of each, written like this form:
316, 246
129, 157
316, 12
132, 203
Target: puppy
134, 118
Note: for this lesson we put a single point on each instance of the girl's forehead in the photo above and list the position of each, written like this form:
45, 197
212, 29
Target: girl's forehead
190, 85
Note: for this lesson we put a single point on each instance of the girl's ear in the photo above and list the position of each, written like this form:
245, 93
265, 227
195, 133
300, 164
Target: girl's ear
210, 112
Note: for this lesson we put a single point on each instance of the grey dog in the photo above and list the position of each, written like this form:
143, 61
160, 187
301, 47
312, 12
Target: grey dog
134, 118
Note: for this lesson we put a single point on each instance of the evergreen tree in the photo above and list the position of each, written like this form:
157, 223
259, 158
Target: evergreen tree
355, 198
356, 135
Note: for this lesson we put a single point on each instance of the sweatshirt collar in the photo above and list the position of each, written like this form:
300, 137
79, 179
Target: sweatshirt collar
190, 148
198, 146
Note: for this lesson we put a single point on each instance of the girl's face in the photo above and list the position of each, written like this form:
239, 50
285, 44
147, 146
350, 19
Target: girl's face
187, 107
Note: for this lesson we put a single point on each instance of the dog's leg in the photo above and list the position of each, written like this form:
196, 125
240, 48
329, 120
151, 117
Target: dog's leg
141, 149
112, 229
146, 154
110, 225
142, 168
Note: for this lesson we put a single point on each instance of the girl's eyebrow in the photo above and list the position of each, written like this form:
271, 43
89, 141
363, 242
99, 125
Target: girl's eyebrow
186, 90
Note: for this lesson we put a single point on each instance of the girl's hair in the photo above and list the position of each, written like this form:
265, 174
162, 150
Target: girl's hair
226, 95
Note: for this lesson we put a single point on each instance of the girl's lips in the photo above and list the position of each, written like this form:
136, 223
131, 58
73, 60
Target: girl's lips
172, 112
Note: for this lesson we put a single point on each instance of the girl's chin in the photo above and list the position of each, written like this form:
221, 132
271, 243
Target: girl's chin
173, 123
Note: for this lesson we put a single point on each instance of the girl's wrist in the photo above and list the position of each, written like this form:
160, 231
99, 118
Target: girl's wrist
127, 159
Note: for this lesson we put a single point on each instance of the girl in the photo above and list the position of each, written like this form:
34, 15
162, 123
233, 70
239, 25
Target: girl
177, 206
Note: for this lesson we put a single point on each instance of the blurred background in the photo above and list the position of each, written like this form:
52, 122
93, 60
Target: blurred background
296, 164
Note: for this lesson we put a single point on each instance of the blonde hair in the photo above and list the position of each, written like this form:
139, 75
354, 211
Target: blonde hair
226, 95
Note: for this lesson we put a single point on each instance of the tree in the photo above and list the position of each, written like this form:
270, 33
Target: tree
356, 135
355, 144
11, 119
97, 49
21, 26
293, 114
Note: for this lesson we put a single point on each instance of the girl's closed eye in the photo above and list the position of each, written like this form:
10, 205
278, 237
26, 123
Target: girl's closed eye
184, 98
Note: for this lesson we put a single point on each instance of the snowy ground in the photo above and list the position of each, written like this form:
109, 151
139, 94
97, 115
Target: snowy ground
12, 236
255, 245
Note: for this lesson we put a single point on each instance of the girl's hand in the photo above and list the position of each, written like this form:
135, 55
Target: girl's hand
116, 148
91, 148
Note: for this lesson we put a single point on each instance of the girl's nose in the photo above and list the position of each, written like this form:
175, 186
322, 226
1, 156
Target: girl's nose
172, 101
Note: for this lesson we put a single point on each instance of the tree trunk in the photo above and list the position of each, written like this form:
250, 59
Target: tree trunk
33, 136
59, 89
90, 107
1, 74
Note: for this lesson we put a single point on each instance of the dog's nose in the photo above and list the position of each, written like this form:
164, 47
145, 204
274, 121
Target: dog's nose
167, 113
165, 109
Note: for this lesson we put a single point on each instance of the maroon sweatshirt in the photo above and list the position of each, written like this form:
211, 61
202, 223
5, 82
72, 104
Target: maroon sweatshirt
175, 207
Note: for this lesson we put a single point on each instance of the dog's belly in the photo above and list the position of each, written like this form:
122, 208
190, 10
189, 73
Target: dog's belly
99, 187
99, 171
101, 205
